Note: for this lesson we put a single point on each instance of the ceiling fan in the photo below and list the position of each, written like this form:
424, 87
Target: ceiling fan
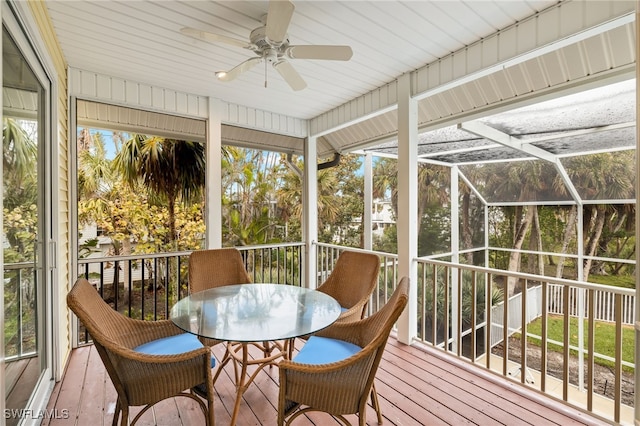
271, 45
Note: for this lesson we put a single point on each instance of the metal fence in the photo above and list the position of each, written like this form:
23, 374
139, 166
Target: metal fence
20, 301
146, 286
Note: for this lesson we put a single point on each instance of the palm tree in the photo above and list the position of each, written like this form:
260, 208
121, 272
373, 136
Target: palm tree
602, 176
523, 181
433, 185
251, 179
95, 170
19, 157
99, 190
290, 195
471, 209
19, 152
171, 170
20, 178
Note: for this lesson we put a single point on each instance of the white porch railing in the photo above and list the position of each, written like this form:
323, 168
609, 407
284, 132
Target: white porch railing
20, 299
451, 309
453, 317
451, 313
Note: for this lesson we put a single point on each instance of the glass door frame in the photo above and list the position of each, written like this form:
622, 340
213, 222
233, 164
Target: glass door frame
15, 17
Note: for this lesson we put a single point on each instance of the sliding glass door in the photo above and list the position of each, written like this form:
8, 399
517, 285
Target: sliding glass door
26, 230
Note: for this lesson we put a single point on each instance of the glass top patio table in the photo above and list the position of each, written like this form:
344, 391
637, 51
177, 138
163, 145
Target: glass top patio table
255, 312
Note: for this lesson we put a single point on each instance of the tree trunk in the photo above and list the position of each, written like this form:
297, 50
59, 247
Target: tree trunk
114, 293
566, 239
538, 234
530, 258
514, 257
171, 207
467, 241
126, 250
615, 219
594, 237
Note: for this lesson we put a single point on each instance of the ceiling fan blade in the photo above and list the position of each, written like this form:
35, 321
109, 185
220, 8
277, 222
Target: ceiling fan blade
334, 53
237, 70
290, 75
214, 38
278, 19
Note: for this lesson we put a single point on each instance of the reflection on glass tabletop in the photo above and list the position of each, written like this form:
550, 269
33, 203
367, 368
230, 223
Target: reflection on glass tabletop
255, 312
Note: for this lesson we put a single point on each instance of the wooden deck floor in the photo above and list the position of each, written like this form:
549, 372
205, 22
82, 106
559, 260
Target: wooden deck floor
416, 387
20, 378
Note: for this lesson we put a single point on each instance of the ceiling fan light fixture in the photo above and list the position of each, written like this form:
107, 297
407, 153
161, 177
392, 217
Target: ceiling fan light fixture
270, 44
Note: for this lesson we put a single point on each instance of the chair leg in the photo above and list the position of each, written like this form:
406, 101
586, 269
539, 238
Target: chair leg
124, 419
291, 347
376, 403
212, 418
362, 418
116, 413
225, 360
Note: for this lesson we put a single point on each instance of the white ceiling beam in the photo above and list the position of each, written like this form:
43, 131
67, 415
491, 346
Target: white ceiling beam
581, 132
458, 151
480, 129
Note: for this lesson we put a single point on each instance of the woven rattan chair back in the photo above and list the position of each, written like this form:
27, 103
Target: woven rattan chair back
139, 378
215, 268
342, 387
351, 282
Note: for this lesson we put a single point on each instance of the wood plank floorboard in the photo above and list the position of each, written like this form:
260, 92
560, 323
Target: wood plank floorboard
416, 386
21, 375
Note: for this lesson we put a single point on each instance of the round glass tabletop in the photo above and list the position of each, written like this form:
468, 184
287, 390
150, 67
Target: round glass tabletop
255, 312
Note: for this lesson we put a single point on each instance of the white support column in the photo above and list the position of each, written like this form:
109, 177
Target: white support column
367, 226
455, 215
486, 241
3, 394
310, 211
455, 254
213, 213
636, 410
407, 222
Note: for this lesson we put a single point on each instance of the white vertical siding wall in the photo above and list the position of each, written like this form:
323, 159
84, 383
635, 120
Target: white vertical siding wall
60, 188
102, 88
112, 90
252, 118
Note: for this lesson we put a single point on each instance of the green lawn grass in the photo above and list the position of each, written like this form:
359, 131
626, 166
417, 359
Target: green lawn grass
624, 281
605, 335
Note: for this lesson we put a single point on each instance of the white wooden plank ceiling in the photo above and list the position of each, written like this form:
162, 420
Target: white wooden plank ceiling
140, 41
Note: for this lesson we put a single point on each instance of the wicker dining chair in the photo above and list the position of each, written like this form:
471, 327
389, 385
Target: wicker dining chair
147, 361
215, 268
334, 371
212, 268
351, 282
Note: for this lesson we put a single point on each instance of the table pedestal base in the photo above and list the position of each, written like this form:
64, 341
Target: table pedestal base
238, 354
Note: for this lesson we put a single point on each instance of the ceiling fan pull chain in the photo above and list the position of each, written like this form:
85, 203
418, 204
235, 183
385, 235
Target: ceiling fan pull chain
265, 74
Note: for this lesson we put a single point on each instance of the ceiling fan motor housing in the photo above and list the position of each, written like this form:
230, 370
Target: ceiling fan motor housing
261, 43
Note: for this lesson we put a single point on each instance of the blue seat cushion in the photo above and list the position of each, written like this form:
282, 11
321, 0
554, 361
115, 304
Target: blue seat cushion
323, 350
172, 345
